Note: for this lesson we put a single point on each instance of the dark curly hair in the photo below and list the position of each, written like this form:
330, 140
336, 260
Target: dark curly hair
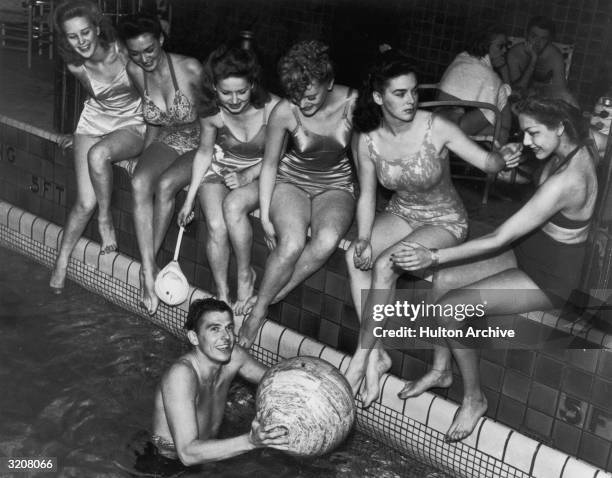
391, 64
133, 26
551, 112
198, 308
80, 8
481, 41
228, 61
304, 63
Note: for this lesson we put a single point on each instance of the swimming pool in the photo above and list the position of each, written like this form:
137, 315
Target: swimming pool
79, 373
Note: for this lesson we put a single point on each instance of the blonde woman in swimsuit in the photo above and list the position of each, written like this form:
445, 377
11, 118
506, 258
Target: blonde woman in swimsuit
234, 110
309, 185
110, 128
406, 149
169, 86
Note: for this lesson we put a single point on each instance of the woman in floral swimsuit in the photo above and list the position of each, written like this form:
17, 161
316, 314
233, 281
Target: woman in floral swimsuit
168, 84
407, 150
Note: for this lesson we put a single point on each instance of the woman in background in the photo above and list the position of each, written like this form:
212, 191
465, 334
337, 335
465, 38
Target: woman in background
234, 113
169, 85
110, 127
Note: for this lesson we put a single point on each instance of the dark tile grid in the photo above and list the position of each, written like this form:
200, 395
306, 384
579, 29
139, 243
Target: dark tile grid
431, 32
559, 397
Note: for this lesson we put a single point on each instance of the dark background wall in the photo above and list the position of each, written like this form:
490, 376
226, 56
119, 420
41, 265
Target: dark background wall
432, 32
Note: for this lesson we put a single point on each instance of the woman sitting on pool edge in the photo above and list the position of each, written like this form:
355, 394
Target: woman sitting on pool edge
169, 85
548, 235
234, 112
310, 185
407, 150
110, 128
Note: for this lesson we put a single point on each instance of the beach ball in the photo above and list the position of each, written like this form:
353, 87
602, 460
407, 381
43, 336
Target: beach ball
311, 399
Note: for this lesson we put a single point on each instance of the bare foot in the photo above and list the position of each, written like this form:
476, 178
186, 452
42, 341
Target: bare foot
356, 370
58, 278
432, 379
466, 418
107, 235
248, 331
248, 305
378, 364
148, 298
246, 285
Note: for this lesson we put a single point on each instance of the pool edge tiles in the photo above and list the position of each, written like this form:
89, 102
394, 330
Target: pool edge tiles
415, 427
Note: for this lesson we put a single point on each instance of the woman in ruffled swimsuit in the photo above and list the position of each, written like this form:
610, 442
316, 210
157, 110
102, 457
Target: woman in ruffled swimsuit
234, 116
110, 128
310, 185
407, 150
548, 235
169, 86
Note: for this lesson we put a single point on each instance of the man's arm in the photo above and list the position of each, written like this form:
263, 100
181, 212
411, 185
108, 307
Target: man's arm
521, 61
250, 369
179, 389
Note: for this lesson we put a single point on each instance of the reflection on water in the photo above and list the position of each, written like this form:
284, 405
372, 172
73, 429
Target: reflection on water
78, 376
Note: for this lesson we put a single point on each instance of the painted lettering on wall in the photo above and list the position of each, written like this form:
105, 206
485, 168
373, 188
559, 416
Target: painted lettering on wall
47, 189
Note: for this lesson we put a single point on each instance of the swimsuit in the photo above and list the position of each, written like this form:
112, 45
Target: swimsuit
424, 194
111, 106
180, 128
165, 447
237, 155
552, 255
317, 163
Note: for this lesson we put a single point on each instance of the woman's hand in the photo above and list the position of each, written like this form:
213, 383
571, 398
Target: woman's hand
274, 437
65, 141
362, 255
511, 153
269, 233
186, 214
412, 256
236, 180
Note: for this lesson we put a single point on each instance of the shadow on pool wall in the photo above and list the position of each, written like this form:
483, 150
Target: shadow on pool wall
561, 398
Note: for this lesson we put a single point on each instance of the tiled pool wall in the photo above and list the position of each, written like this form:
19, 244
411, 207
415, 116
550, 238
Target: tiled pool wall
559, 397
430, 31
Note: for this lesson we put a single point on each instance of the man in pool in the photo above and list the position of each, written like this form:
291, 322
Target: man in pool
190, 400
537, 63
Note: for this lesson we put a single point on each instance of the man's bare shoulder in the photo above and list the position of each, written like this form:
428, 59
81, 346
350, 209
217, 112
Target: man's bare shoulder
180, 373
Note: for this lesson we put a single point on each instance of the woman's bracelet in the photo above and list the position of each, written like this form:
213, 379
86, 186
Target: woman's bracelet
435, 256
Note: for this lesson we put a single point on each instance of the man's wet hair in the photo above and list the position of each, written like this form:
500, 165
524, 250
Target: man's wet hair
199, 308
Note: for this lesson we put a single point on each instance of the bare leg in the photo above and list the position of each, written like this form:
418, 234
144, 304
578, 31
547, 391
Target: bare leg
387, 230
217, 242
445, 280
236, 207
80, 213
384, 278
332, 214
172, 180
119, 145
290, 214
507, 292
152, 163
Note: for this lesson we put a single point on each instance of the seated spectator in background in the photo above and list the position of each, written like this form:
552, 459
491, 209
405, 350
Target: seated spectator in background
190, 400
472, 77
537, 64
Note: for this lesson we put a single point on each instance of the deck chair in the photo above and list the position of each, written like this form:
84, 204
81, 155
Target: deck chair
489, 142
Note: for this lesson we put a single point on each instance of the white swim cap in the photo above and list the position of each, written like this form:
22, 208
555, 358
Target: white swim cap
171, 285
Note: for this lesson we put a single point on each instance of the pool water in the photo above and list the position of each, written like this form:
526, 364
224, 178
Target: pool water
78, 375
